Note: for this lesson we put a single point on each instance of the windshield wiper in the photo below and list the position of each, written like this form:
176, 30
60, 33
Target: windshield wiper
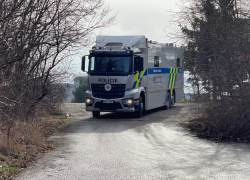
99, 72
120, 72
109, 73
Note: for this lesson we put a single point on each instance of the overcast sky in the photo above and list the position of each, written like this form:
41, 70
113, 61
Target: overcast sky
139, 17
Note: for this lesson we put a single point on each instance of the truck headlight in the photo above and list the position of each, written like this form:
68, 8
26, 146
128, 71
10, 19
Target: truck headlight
89, 101
128, 102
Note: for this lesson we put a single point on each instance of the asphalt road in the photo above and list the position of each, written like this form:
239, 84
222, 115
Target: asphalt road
117, 146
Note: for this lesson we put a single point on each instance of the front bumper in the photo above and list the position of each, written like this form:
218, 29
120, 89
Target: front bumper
116, 106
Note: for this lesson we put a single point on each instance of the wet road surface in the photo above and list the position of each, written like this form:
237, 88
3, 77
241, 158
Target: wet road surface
118, 146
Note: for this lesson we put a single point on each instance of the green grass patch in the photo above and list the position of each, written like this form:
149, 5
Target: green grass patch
59, 116
7, 171
61, 121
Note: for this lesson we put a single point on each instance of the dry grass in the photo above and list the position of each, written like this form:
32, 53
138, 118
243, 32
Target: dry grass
27, 142
224, 121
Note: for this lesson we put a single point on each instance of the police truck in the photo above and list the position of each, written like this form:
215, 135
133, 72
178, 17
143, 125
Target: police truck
132, 74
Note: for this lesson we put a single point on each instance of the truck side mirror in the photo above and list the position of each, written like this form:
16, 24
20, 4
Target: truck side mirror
85, 63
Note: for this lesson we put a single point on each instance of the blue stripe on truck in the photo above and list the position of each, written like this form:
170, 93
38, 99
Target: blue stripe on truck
162, 70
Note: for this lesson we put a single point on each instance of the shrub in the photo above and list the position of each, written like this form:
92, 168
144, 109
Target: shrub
227, 120
79, 93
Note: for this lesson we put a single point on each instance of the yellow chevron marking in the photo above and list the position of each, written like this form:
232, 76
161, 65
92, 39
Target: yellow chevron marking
137, 84
136, 76
142, 73
138, 79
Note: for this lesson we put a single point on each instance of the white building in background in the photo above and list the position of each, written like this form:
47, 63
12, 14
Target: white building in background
70, 87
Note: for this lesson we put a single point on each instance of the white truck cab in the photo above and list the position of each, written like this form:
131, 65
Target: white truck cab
131, 74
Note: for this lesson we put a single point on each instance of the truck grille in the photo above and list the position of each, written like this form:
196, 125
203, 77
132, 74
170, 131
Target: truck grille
117, 91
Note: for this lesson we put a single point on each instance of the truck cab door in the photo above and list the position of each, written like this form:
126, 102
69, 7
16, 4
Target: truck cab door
138, 64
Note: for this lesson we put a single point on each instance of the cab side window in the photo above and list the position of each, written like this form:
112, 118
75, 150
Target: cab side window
156, 61
178, 62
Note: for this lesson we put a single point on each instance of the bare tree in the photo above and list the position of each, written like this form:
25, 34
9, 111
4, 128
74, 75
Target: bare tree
36, 37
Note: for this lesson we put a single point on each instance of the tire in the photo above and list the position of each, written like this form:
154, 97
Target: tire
138, 114
165, 107
168, 105
96, 114
169, 101
173, 100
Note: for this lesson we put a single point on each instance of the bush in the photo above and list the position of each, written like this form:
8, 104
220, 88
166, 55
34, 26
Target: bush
79, 93
27, 141
227, 120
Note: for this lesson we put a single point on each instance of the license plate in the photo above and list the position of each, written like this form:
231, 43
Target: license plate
107, 101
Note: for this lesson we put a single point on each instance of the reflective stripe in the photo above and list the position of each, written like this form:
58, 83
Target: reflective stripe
171, 83
137, 84
136, 76
138, 79
170, 78
142, 73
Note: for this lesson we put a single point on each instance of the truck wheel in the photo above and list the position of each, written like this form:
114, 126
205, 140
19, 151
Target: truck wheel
174, 100
138, 114
96, 114
168, 105
170, 101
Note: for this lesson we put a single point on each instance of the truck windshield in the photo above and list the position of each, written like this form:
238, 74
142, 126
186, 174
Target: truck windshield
110, 65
